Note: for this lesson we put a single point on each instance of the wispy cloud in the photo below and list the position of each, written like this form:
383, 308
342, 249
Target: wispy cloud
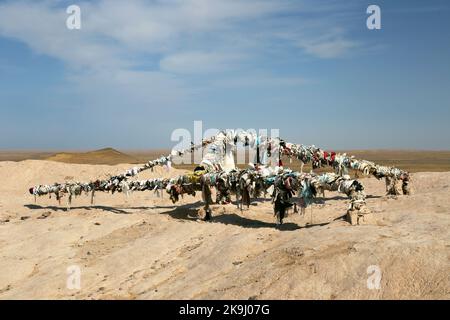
113, 30
330, 45
198, 62
140, 60
260, 81
145, 53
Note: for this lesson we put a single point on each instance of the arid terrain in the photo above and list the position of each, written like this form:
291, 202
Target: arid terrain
410, 160
145, 247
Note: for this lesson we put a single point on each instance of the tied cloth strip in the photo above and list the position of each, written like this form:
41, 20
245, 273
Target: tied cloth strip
286, 183
304, 153
111, 184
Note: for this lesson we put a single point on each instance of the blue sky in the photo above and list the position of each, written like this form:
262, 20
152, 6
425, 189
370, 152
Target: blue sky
137, 70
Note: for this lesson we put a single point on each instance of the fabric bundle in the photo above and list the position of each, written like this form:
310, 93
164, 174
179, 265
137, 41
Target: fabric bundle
309, 185
257, 181
341, 163
115, 182
285, 187
268, 148
217, 170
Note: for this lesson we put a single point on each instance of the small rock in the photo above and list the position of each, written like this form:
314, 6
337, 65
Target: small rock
8, 287
44, 215
24, 218
97, 223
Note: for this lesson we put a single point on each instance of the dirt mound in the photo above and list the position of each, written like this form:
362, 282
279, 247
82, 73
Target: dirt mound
103, 156
145, 247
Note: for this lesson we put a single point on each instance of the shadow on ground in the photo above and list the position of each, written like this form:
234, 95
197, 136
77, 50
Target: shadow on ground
93, 207
189, 212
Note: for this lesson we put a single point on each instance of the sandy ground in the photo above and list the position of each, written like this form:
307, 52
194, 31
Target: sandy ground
144, 247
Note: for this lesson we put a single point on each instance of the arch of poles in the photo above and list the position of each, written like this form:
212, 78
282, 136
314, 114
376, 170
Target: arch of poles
279, 182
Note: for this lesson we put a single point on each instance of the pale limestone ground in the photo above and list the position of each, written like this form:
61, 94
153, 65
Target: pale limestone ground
144, 247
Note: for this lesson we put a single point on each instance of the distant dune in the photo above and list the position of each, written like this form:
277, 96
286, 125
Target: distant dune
410, 160
103, 156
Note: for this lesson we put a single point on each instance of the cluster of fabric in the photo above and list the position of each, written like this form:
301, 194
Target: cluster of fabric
217, 171
281, 184
342, 163
275, 147
114, 182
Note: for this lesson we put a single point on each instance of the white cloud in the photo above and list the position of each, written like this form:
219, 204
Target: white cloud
114, 30
329, 47
42, 27
260, 80
172, 39
164, 26
196, 62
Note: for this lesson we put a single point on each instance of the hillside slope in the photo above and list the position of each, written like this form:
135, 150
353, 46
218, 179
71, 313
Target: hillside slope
102, 156
144, 247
